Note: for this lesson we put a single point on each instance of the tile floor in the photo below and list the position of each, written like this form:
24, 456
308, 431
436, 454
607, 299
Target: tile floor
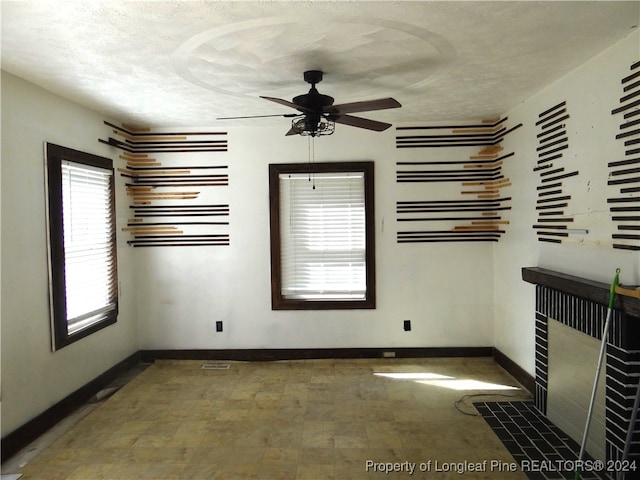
534, 441
311, 419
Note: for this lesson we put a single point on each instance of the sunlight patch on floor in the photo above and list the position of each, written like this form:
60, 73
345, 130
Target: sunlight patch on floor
445, 381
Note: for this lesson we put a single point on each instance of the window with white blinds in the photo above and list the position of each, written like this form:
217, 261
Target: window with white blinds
89, 265
322, 236
82, 243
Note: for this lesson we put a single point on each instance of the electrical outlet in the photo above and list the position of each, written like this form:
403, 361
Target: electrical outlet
389, 354
407, 325
219, 326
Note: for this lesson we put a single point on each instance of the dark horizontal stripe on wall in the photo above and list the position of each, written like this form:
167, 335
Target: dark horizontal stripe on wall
550, 185
554, 199
555, 107
626, 171
559, 177
274, 354
447, 145
623, 181
625, 107
553, 137
190, 167
27, 433
630, 133
630, 96
542, 161
554, 219
630, 124
474, 136
156, 224
457, 162
129, 148
555, 150
631, 86
633, 76
410, 204
438, 127
619, 246
551, 192
549, 131
549, 240
626, 218
631, 114
165, 134
550, 116
554, 122
553, 234
549, 145
437, 219
458, 238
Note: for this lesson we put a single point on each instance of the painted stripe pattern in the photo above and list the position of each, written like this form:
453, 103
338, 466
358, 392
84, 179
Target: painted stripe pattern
624, 174
173, 205
552, 200
475, 214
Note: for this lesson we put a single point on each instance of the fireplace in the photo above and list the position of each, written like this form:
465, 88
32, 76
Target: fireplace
566, 303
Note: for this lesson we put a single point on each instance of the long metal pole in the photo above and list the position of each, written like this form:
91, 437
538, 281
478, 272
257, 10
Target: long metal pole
603, 345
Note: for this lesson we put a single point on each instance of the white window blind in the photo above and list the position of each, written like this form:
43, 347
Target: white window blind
90, 273
322, 234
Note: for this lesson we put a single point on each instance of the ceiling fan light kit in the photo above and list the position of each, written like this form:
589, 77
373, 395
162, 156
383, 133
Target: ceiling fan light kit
306, 126
318, 115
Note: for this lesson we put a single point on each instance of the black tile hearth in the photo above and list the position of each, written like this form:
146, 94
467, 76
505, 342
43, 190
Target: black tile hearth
543, 451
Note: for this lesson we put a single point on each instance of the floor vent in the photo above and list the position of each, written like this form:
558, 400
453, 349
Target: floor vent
215, 366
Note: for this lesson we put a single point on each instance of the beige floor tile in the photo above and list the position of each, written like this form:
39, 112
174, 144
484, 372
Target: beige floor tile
278, 420
315, 472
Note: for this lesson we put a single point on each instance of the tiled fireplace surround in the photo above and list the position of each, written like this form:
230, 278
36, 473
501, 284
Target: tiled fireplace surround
582, 304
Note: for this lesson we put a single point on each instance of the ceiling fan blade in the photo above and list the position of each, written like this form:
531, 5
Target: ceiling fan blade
285, 115
360, 122
286, 103
291, 132
366, 106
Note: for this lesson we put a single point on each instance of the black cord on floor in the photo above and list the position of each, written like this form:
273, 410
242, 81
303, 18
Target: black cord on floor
464, 397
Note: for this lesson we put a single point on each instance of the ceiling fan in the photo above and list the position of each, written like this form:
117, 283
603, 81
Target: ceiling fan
318, 115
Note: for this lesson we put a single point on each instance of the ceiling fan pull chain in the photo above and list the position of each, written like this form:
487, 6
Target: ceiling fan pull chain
312, 159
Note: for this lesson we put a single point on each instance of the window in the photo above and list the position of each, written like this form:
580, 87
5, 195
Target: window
322, 235
82, 243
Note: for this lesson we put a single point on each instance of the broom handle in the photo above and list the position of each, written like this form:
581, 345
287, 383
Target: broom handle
603, 345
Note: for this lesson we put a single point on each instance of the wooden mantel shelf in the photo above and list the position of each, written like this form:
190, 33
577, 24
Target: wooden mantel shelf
580, 287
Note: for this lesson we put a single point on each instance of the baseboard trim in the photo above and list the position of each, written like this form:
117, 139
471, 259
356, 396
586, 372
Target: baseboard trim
266, 355
30, 431
515, 370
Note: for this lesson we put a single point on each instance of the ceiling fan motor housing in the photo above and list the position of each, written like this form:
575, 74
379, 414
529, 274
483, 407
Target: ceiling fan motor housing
314, 100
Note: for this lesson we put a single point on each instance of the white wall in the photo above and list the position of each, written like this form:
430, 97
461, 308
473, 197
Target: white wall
444, 289
33, 377
591, 92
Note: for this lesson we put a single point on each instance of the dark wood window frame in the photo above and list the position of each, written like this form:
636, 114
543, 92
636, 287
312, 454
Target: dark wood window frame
277, 300
55, 155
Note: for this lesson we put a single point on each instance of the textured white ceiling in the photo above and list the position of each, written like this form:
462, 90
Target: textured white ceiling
185, 63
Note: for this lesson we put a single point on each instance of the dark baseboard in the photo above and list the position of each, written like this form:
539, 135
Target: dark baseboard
515, 370
30, 431
267, 355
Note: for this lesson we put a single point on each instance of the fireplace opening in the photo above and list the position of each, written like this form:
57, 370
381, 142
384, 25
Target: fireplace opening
573, 358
